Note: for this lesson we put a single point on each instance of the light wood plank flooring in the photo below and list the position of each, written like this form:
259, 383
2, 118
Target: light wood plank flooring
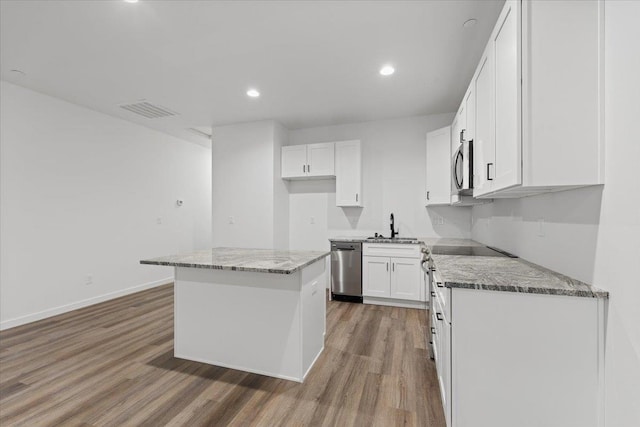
112, 364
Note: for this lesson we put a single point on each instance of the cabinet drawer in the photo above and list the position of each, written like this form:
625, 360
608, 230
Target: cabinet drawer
443, 295
391, 250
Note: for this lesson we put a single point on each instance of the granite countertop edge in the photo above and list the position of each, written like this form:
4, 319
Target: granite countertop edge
366, 240
574, 287
529, 289
274, 270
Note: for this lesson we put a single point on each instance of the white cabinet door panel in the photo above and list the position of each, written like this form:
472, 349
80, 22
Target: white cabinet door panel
439, 167
405, 278
294, 161
348, 173
484, 144
376, 274
320, 159
507, 105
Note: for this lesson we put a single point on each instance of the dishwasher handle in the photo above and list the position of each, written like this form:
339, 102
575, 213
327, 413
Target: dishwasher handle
340, 246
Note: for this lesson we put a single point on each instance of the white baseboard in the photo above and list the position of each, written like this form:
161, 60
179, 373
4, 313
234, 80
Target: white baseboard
421, 305
237, 367
22, 320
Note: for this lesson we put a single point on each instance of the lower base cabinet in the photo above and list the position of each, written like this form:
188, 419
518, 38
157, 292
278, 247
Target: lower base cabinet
392, 274
509, 359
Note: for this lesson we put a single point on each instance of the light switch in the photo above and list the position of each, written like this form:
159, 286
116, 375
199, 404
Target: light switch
232, 220
312, 220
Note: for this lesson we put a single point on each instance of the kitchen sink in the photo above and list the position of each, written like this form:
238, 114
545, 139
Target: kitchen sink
399, 239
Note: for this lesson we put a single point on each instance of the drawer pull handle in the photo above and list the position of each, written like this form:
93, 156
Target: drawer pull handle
439, 316
439, 284
433, 294
433, 330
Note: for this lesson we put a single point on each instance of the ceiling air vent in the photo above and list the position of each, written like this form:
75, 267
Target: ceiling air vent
148, 110
203, 133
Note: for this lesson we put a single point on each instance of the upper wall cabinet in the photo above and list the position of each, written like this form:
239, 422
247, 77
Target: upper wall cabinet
538, 100
348, 174
438, 167
308, 161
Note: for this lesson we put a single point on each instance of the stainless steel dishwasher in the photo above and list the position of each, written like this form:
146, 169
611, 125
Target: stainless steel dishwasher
346, 271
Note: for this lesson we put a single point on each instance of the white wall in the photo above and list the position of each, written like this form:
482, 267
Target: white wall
80, 194
593, 234
246, 186
393, 159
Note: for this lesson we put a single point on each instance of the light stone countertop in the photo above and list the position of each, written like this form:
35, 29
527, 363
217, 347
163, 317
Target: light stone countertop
400, 240
242, 259
504, 274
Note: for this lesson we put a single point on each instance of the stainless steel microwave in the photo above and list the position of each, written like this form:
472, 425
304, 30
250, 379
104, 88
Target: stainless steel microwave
463, 167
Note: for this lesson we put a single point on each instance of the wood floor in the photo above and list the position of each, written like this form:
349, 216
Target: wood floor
112, 364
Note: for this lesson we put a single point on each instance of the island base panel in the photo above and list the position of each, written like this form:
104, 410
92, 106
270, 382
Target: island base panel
270, 324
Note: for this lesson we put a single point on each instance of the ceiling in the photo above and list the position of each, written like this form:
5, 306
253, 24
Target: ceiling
315, 62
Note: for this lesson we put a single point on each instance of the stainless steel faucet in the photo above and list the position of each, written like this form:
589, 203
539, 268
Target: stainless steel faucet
394, 233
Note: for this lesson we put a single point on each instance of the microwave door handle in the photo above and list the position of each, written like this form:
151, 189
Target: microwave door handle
459, 159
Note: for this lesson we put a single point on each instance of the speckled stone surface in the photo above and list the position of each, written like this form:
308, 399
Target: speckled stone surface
241, 259
446, 241
508, 275
401, 240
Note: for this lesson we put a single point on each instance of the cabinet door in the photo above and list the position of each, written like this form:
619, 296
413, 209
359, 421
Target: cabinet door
294, 161
484, 144
439, 167
470, 114
405, 278
376, 274
507, 106
320, 159
348, 174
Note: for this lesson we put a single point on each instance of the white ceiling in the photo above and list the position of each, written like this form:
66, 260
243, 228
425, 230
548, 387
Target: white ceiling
315, 62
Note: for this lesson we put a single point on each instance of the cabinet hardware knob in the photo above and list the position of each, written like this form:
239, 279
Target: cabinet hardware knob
428, 195
393, 266
433, 294
308, 168
439, 284
488, 174
387, 266
439, 316
304, 168
356, 197
433, 330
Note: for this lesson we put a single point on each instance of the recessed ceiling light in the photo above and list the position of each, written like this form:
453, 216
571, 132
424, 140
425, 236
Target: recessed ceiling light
470, 23
253, 93
17, 73
387, 70
131, 1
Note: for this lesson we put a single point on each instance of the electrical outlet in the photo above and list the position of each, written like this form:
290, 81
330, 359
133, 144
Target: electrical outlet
159, 220
232, 220
88, 280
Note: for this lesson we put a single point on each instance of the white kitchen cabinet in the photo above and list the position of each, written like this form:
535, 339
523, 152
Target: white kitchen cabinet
438, 176
441, 336
308, 161
538, 110
484, 145
392, 275
464, 126
348, 161
376, 276
520, 359
294, 161
406, 280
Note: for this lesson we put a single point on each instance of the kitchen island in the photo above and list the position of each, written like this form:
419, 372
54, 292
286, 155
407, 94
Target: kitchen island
255, 310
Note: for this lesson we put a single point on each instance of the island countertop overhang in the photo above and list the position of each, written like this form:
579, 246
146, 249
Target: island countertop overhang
242, 259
